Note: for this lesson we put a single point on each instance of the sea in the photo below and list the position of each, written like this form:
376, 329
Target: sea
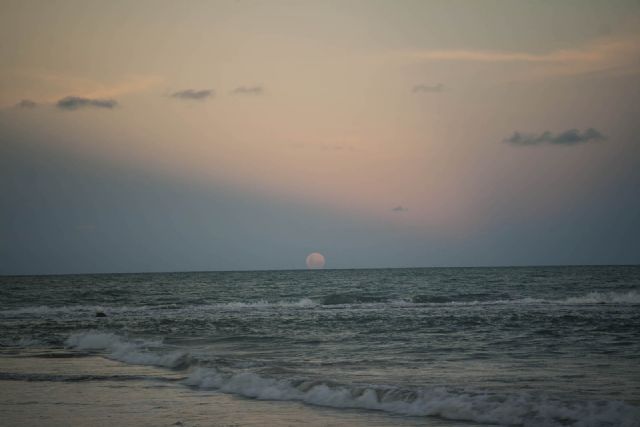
530, 346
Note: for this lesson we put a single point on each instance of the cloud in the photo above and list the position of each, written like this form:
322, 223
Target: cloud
27, 103
71, 103
603, 54
428, 89
399, 209
194, 94
568, 137
248, 90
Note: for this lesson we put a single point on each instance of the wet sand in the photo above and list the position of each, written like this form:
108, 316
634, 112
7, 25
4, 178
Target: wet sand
39, 389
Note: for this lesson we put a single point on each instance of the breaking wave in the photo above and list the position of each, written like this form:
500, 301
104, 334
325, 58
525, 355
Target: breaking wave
515, 409
463, 405
135, 352
631, 297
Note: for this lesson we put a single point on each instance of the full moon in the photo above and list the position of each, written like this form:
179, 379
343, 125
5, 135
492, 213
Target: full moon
315, 260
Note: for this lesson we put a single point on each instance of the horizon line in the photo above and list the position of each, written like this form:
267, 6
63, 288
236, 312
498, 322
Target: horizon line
308, 269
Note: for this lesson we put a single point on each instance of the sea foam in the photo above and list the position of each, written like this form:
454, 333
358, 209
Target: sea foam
612, 298
464, 405
631, 297
515, 409
135, 352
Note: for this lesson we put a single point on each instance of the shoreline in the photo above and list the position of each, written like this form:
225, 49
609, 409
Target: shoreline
45, 389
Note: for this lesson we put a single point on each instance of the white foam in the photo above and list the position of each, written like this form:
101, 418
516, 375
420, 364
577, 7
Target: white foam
520, 409
612, 298
135, 352
401, 302
303, 302
631, 297
514, 409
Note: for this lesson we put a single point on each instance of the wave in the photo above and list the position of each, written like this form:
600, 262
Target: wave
332, 300
463, 405
68, 310
36, 377
45, 310
303, 302
25, 342
631, 297
515, 409
135, 352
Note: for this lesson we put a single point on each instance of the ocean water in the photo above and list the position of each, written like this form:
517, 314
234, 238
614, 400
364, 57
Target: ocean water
509, 346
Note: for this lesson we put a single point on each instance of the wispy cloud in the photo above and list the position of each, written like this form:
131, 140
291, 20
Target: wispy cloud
90, 88
27, 104
132, 84
71, 103
248, 90
194, 94
610, 53
421, 88
399, 209
568, 137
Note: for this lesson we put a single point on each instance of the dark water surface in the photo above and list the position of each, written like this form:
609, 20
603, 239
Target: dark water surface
523, 346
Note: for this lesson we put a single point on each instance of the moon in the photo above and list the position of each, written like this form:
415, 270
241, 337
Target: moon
315, 261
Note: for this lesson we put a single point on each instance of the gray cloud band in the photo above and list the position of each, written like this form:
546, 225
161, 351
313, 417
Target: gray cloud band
248, 90
568, 137
76, 102
193, 94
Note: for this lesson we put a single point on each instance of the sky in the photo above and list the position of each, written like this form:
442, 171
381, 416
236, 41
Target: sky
245, 135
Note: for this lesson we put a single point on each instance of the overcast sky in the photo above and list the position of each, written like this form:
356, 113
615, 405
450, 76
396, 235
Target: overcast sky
164, 136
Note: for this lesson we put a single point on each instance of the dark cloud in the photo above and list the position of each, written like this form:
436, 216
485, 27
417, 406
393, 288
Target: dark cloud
27, 103
399, 208
568, 137
75, 102
248, 90
428, 88
194, 94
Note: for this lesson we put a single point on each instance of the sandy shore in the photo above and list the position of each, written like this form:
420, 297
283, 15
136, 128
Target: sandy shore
41, 390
